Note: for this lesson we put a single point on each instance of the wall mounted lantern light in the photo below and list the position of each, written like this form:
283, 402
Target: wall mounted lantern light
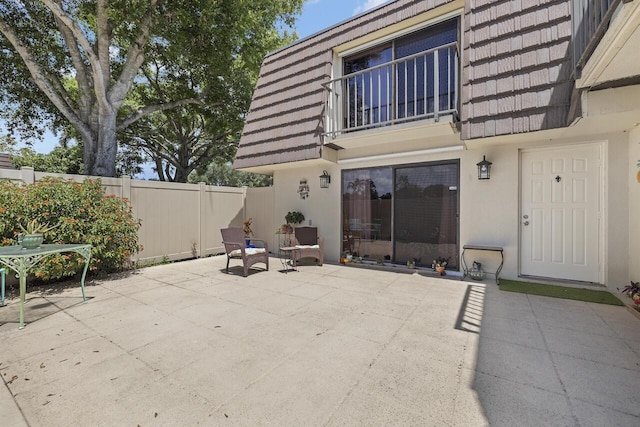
325, 180
484, 168
303, 189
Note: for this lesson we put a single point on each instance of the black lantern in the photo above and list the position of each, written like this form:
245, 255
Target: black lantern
325, 180
484, 168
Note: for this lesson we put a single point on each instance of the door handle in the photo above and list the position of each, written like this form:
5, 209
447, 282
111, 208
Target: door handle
526, 223
525, 216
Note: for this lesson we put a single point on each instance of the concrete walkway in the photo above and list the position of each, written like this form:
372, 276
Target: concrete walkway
185, 344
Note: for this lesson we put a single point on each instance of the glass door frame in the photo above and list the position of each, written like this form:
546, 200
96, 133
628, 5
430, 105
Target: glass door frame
393, 169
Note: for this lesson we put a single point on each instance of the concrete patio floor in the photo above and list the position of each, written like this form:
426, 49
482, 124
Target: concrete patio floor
186, 344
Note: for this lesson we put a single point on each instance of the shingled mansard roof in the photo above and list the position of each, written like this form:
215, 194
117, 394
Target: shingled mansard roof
516, 76
517, 66
5, 161
285, 120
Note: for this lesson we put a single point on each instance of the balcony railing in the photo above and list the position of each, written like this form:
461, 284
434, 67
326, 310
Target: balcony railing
416, 87
590, 21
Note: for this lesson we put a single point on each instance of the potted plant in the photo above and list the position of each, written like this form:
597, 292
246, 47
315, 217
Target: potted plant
633, 291
440, 264
32, 235
285, 229
248, 232
294, 217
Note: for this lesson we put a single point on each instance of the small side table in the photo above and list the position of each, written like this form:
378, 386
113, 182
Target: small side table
287, 254
22, 260
482, 248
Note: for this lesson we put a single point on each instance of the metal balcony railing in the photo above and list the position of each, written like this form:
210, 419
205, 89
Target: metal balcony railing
590, 20
416, 87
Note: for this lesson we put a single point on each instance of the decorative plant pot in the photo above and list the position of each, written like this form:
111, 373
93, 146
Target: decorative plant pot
476, 274
32, 241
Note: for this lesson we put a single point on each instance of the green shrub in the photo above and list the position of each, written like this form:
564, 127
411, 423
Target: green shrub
82, 213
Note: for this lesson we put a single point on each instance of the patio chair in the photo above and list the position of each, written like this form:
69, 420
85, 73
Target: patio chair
236, 248
309, 244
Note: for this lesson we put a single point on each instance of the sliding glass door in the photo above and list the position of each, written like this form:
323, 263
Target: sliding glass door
426, 213
366, 213
403, 213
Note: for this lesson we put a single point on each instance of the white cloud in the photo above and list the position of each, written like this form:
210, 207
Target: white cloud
369, 4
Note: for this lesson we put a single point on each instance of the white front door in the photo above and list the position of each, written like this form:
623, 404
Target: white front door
560, 213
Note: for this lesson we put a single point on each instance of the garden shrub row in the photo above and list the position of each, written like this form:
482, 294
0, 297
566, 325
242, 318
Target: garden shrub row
82, 213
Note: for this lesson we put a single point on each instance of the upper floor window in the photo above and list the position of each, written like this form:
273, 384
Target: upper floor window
412, 77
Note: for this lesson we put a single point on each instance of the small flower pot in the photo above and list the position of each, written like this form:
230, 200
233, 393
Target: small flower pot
32, 241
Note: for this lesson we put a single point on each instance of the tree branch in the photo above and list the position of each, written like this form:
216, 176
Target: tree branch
135, 57
159, 107
46, 86
156, 149
103, 38
99, 78
82, 75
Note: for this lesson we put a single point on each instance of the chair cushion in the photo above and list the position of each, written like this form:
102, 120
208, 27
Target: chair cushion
306, 235
248, 251
308, 246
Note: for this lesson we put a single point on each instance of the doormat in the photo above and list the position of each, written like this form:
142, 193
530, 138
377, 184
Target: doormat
588, 295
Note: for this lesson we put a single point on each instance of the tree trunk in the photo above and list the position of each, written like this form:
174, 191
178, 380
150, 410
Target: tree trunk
100, 150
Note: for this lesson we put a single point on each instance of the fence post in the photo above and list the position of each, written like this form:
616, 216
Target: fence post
202, 227
125, 183
28, 175
244, 203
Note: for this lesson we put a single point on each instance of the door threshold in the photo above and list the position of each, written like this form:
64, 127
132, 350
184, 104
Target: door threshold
561, 282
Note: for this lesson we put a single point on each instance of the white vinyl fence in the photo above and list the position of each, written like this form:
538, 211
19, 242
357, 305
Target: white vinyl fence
180, 221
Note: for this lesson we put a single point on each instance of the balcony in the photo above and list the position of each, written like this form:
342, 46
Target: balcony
421, 87
606, 34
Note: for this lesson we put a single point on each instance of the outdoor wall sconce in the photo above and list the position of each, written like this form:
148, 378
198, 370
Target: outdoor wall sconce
303, 189
484, 168
325, 180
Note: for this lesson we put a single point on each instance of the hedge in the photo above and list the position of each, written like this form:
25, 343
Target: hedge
82, 213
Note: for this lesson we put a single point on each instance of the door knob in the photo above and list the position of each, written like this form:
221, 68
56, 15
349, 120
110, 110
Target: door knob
525, 216
526, 223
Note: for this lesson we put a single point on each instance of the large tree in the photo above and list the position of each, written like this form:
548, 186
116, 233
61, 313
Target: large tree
182, 140
87, 63
221, 173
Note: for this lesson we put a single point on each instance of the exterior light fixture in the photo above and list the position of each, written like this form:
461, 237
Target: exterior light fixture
484, 168
325, 180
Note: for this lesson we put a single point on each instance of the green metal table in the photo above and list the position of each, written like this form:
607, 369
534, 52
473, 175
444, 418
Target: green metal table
22, 260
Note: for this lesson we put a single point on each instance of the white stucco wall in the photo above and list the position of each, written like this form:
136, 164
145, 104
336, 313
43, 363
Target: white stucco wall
322, 207
616, 216
634, 205
490, 210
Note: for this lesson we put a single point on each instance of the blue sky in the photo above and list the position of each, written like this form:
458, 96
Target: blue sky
316, 16
320, 14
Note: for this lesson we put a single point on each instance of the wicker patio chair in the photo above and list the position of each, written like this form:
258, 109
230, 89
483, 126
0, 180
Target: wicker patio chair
308, 242
235, 246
